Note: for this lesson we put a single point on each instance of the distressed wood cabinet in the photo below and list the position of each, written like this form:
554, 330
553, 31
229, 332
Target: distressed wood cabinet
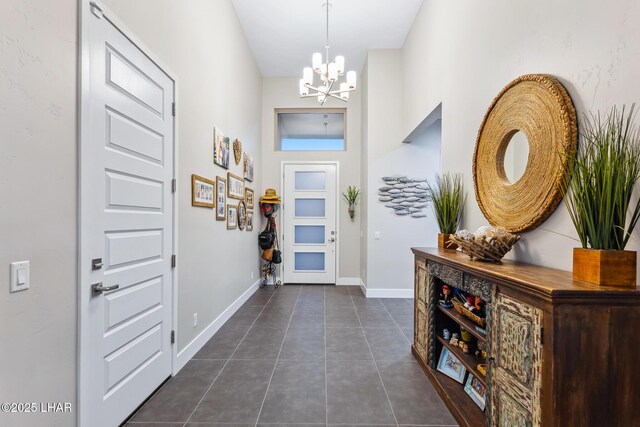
561, 353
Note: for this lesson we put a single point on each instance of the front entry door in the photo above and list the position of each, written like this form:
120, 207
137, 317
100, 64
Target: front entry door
126, 231
310, 236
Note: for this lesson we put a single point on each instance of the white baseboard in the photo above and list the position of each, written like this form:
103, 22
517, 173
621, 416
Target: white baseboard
363, 287
198, 342
386, 293
348, 281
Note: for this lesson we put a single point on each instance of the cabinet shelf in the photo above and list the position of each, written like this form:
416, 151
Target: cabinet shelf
464, 322
470, 362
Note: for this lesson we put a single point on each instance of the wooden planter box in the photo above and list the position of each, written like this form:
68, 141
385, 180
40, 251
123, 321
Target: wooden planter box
605, 268
444, 242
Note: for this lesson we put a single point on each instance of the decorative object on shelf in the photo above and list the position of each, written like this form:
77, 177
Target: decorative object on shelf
486, 244
445, 297
247, 167
446, 334
203, 191
405, 196
329, 73
607, 163
540, 107
249, 221
242, 215
248, 198
465, 335
351, 196
474, 388
482, 367
235, 186
464, 346
447, 199
455, 338
232, 217
220, 148
221, 198
460, 304
451, 366
237, 151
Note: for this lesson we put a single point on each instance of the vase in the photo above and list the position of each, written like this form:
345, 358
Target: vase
444, 242
352, 212
605, 267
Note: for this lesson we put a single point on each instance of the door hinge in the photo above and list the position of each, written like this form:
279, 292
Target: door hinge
173, 337
173, 261
173, 109
96, 10
174, 185
541, 336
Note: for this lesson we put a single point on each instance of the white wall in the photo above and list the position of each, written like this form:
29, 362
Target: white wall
389, 263
38, 205
463, 53
282, 92
219, 84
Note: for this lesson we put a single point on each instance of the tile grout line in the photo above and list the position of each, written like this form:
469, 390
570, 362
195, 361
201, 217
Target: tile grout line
277, 357
229, 359
374, 362
396, 323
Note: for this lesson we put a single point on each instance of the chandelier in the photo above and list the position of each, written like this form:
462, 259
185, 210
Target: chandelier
329, 73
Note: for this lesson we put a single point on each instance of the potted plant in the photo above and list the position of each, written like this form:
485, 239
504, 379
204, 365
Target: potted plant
447, 198
351, 196
598, 194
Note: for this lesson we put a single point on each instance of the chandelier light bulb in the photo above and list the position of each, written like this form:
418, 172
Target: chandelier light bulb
333, 72
304, 91
316, 61
307, 75
344, 88
351, 79
340, 64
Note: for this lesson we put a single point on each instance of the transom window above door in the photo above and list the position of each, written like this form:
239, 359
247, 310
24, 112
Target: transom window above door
310, 129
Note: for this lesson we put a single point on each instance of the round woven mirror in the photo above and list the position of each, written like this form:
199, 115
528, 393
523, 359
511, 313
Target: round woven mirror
537, 109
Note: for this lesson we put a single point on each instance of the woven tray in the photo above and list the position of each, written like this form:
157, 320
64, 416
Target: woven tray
466, 313
486, 249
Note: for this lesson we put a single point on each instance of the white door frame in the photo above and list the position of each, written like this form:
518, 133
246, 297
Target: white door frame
335, 163
85, 16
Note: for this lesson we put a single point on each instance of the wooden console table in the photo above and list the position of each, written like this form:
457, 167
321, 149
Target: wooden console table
560, 353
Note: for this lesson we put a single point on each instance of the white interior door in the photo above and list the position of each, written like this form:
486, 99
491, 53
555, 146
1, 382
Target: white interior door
126, 231
310, 234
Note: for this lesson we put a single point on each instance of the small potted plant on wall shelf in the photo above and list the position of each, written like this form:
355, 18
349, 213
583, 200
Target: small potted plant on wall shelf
447, 199
351, 196
598, 195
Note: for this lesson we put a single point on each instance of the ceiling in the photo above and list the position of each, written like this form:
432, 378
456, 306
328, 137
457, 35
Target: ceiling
283, 34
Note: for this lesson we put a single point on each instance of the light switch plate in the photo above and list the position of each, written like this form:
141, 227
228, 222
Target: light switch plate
20, 273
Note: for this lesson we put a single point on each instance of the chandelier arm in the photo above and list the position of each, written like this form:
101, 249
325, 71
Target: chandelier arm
337, 97
340, 91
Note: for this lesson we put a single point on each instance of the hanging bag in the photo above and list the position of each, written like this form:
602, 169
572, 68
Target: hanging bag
277, 255
267, 237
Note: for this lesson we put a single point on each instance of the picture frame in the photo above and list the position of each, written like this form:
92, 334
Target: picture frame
247, 166
249, 197
474, 388
249, 221
221, 199
221, 148
451, 366
232, 217
203, 191
242, 215
235, 186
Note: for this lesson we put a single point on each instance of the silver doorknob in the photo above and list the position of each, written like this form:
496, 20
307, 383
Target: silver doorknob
97, 288
331, 240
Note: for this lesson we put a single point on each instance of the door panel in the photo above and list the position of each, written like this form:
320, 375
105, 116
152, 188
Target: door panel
309, 212
127, 221
517, 351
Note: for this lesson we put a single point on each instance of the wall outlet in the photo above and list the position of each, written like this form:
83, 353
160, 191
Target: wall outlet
195, 319
376, 235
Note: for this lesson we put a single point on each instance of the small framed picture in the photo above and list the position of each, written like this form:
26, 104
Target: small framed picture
249, 221
242, 215
247, 166
221, 198
451, 366
220, 148
248, 197
235, 186
476, 390
232, 217
202, 191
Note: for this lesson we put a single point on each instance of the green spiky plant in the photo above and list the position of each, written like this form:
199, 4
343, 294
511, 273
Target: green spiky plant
447, 198
604, 172
351, 196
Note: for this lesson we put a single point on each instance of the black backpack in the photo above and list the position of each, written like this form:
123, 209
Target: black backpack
267, 237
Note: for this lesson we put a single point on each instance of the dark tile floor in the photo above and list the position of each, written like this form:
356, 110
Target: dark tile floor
303, 355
